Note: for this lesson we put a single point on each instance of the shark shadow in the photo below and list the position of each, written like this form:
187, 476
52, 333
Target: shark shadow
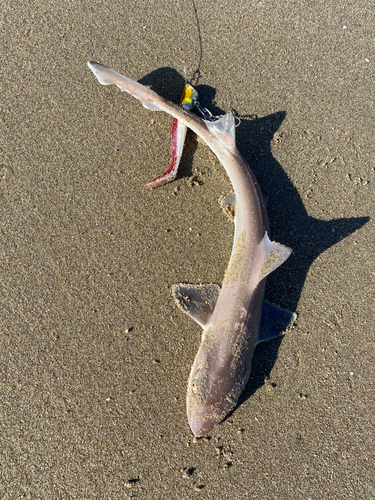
290, 223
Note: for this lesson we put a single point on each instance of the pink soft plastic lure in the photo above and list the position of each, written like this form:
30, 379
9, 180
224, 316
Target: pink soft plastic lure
188, 99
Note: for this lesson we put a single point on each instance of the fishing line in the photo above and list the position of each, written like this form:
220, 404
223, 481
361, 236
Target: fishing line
180, 19
180, 43
197, 72
148, 26
183, 48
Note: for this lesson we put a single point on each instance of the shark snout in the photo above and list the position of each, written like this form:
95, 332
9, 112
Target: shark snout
204, 411
202, 421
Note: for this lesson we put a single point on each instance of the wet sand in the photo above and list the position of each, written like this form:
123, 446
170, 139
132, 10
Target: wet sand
94, 354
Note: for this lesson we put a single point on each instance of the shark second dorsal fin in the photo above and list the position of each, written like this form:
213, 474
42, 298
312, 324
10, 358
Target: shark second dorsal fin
224, 130
198, 301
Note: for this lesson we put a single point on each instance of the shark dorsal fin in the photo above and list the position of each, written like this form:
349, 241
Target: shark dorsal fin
197, 301
275, 254
224, 130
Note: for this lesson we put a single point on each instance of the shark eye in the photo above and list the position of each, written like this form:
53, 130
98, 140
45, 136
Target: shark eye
198, 385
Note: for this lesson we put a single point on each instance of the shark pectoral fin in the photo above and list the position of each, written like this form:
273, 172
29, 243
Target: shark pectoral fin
228, 205
274, 321
198, 301
224, 130
275, 254
107, 76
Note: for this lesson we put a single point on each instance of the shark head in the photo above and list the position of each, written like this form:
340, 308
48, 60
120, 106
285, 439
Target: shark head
203, 406
213, 391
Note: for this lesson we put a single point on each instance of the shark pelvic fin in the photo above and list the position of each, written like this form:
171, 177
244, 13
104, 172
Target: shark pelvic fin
229, 205
274, 321
198, 301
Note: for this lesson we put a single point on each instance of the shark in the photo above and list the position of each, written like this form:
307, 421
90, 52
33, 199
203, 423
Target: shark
234, 316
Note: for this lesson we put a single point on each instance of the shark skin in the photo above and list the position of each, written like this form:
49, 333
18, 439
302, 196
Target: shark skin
231, 316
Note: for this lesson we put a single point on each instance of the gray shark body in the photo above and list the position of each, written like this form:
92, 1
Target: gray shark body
231, 316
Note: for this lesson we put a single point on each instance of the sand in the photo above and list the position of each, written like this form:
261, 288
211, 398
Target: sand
94, 354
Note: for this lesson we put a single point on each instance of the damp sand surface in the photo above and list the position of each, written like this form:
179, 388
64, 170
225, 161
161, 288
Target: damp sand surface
94, 354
